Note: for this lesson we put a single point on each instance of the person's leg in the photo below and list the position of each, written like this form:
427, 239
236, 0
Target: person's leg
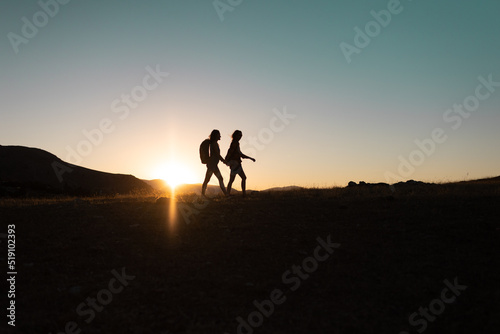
221, 181
208, 175
230, 184
243, 182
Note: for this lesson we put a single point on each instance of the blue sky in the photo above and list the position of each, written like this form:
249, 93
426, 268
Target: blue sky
351, 120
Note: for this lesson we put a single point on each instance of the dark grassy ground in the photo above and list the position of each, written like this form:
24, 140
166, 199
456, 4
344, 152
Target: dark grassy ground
396, 249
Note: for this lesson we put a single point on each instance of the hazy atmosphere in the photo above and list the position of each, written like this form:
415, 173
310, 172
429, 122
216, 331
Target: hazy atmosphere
323, 91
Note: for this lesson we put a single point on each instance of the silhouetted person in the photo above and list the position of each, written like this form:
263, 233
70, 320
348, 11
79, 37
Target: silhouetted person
233, 160
213, 161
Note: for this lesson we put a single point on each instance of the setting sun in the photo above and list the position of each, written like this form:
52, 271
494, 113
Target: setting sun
175, 174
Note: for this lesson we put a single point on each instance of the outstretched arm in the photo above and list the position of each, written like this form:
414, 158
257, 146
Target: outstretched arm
247, 157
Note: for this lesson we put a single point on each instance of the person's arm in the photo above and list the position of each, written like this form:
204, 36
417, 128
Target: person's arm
246, 156
220, 156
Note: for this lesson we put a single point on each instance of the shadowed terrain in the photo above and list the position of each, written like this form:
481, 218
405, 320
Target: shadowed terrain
198, 275
26, 171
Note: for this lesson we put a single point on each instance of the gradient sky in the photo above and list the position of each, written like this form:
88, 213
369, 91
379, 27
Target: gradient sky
352, 121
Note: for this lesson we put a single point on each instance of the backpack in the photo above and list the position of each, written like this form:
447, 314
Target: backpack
205, 151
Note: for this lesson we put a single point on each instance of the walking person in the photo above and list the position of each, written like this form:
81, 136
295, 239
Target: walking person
234, 157
210, 153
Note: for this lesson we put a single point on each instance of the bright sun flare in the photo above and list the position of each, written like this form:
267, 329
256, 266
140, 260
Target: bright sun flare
175, 174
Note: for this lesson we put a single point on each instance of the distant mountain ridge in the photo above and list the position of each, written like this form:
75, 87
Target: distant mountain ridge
288, 188
27, 170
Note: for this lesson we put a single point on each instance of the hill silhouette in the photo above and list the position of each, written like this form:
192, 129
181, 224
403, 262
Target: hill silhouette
32, 171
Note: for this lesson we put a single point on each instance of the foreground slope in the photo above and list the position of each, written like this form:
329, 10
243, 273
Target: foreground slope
206, 272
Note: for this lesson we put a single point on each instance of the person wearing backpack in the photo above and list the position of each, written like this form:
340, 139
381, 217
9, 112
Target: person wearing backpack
210, 155
233, 158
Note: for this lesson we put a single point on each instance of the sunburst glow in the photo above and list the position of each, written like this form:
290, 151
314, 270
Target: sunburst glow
175, 173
